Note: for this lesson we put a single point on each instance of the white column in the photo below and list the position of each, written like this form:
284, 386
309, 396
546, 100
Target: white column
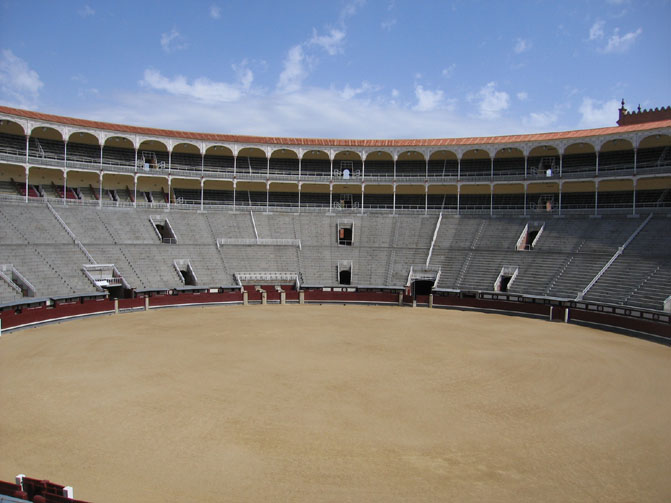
267, 195
27, 167
363, 185
135, 191
458, 197
596, 195
331, 191
100, 190
27, 176
526, 165
560, 186
525, 199
491, 200
492, 169
393, 208
202, 189
633, 206
169, 185
597, 163
635, 158
426, 198
65, 185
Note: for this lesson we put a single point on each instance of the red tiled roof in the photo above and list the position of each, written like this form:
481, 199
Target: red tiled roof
334, 142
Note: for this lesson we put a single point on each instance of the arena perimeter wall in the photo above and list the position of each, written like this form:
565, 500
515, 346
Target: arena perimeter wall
650, 325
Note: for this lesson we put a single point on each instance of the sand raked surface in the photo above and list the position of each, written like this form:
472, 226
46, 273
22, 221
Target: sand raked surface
335, 403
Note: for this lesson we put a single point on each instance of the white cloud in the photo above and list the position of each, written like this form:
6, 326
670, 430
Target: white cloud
332, 43
215, 12
201, 89
172, 41
521, 46
491, 103
350, 92
86, 11
617, 43
449, 71
596, 31
294, 71
350, 9
522, 96
427, 100
388, 24
540, 120
596, 113
244, 74
19, 85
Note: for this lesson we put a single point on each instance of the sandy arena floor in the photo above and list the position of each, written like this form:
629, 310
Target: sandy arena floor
333, 403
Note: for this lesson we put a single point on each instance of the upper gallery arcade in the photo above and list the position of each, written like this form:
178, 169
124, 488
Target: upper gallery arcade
40, 149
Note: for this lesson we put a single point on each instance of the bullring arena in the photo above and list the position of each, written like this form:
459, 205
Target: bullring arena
201, 317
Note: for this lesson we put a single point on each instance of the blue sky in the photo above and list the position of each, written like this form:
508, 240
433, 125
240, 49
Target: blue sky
340, 68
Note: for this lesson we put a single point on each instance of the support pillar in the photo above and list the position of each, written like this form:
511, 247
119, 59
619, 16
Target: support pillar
491, 200
65, 185
458, 197
100, 190
135, 191
27, 176
363, 186
393, 208
525, 197
633, 206
202, 192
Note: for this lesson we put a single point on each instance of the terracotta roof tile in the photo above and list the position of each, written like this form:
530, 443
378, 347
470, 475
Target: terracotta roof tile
333, 142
